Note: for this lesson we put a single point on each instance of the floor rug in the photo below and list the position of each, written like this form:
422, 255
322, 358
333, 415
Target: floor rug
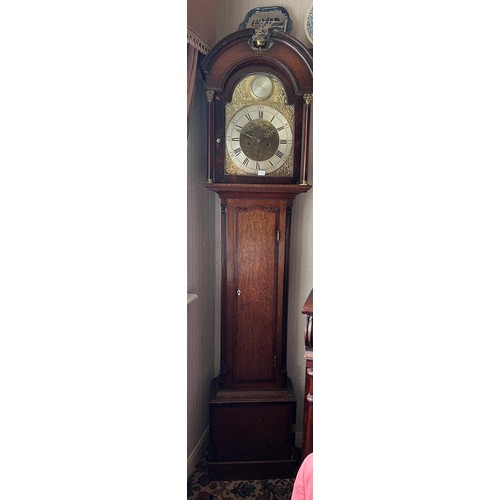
200, 488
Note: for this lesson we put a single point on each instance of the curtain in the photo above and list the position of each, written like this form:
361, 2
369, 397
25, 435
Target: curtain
195, 46
192, 59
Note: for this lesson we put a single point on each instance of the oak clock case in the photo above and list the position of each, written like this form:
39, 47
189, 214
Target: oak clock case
259, 92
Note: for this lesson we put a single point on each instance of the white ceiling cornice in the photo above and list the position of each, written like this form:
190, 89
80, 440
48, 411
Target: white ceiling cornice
197, 41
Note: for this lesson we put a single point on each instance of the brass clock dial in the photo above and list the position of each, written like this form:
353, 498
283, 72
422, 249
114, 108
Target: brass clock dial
259, 139
259, 128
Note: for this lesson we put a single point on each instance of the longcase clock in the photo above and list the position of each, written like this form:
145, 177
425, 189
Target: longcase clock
259, 95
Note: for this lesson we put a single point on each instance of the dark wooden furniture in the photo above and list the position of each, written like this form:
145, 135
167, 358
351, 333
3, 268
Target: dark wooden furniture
307, 436
252, 405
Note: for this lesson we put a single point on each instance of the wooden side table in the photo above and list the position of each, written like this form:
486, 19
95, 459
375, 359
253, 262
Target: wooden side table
307, 436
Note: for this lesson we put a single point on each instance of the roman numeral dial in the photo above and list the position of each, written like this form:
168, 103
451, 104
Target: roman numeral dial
259, 139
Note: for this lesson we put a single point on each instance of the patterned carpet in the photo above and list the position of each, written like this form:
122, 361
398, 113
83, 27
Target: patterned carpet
200, 488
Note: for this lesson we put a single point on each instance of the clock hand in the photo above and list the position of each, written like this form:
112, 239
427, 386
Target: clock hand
251, 137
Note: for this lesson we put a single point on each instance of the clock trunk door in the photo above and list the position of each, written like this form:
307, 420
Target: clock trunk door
254, 286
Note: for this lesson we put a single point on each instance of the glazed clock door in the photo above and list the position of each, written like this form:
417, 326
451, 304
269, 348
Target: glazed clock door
255, 232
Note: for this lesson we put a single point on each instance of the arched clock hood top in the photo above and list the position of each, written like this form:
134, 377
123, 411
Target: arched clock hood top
280, 53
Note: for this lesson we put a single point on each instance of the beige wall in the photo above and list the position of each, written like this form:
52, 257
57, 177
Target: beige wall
230, 13
200, 252
202, 19
200, 280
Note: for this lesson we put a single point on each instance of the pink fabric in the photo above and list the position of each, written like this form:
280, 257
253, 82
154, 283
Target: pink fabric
303, 485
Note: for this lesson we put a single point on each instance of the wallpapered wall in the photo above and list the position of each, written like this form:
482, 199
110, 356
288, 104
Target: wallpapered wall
201, 215
230, 14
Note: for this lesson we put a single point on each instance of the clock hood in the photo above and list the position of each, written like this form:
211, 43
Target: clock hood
236, 55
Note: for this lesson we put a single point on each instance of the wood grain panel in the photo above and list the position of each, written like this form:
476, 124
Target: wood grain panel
256, 274
254, 231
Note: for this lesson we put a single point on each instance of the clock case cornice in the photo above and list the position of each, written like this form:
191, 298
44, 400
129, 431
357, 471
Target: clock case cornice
235, 57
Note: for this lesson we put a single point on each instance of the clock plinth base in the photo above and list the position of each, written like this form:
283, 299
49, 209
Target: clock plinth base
272, 469
252, 433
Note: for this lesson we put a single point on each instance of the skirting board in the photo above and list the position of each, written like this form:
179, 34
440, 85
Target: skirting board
197, 452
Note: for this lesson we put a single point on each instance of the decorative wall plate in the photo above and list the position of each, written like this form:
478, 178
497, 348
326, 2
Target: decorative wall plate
308, 24
268, 17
